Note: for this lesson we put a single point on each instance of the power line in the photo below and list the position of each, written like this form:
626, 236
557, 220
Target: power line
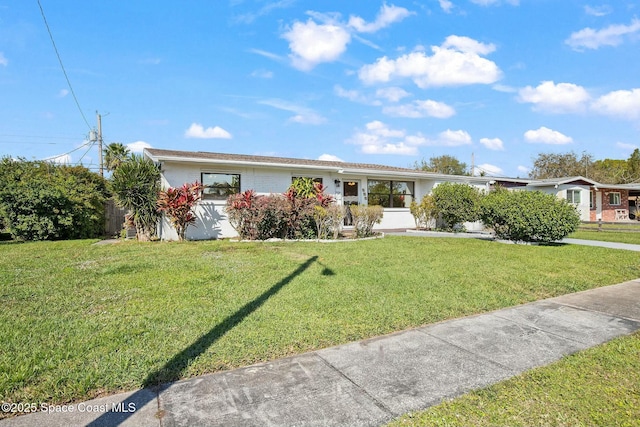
62, 66
85, 153
88, 143
38, 136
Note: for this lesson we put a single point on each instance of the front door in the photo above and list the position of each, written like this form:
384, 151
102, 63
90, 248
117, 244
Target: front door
350, 197
598, 205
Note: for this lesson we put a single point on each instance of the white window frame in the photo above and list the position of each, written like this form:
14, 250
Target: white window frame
571, 196
619, 197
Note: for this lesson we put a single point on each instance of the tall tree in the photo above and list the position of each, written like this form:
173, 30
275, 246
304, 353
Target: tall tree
445, 164
633, 166
558, 165
611, 171
115, 154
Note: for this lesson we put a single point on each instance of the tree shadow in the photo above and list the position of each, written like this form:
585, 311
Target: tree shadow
172, 370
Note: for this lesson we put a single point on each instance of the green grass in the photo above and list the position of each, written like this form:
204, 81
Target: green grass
596, 387
633, 225
632, 237
81, 320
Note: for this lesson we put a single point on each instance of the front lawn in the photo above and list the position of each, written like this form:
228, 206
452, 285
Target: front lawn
81, 320
597, 387
632, 237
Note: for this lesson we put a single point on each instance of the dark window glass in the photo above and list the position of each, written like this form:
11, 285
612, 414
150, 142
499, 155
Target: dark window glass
219, 186
390, 194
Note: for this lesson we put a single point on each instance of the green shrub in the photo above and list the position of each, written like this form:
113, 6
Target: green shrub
528, 216
178, 205
44, 201
364, 218
456, 203
290, 215
136, 185
424, 213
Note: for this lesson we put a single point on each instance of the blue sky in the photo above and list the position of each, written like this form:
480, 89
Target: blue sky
361, 81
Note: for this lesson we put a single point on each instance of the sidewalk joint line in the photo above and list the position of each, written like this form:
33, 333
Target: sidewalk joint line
537, 328
491, 362
617, 316
377, 402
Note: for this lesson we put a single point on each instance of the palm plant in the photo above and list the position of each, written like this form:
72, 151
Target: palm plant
135, 185
115, 154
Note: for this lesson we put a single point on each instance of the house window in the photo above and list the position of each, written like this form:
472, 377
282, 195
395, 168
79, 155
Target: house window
390, 194
573, 196
614, 199
592, 199
219, 186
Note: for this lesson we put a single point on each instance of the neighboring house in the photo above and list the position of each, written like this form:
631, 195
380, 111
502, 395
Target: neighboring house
350, 183
594, 201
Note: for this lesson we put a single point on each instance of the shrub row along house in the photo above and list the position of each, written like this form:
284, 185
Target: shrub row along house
393, 188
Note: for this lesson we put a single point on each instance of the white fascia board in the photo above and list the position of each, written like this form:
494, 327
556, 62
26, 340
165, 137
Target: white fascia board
332, 169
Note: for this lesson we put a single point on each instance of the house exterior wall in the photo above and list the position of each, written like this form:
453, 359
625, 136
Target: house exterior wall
212, 222
561, 193
608, 210
582, 207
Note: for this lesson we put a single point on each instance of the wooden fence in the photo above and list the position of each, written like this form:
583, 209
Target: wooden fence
114, 218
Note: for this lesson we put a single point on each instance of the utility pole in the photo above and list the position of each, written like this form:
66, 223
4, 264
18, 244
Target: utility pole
473, 166
99, 117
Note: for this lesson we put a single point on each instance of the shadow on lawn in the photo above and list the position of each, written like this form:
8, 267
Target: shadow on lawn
173, 369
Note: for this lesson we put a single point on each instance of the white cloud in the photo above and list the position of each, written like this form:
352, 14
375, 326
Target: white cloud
453, 138
386, 16
266, 54
63, 92
613, 35
392, 94
330, 158
138, 146
624, 104
456, 62
262, 74
196, 130
466, 44
354, 95
301, 115
555, 98
488, 169
420, 109
382, 129
308, 118
446, 5
524, 169
3, 60
626, 146
249, 18
492, 143
312, 44
504, 88
63, 159
378, 138
544, 135
597, 10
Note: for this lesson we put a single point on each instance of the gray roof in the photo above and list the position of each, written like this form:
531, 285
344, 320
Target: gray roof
343, 167
356, 168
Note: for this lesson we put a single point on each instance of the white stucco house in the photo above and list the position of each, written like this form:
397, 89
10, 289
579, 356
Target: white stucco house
350, 183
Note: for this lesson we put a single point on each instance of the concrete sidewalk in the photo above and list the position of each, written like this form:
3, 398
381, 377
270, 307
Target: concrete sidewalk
371, 382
